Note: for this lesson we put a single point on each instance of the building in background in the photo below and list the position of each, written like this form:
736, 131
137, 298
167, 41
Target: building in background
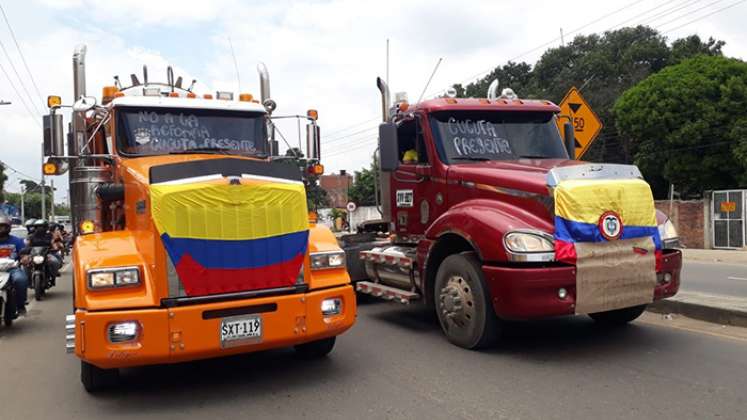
337, 187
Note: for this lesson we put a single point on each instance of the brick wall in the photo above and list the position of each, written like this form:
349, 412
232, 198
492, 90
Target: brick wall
687, 217
337, 187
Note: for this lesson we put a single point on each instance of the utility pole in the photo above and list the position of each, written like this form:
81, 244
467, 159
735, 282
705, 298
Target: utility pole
52, 208
562, 39
23, 206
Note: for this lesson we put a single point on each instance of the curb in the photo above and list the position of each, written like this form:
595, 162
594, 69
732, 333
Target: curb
700, 311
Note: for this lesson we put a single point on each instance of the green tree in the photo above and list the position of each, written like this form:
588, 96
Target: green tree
688, 125
363, 191
316, 196
603, 66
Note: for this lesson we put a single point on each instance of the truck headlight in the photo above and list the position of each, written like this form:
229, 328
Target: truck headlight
123, 332
331, 307
327, 259
525, 242
113, 277
668, 234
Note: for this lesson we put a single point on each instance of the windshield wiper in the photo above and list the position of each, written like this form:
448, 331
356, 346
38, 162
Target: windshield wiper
471, 158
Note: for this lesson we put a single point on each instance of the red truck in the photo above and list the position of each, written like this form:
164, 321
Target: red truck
487, 216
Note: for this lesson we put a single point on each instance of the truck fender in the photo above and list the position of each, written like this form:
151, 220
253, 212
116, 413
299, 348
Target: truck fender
473, 226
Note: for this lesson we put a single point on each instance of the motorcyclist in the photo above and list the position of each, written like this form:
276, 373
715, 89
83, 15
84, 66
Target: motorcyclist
11, 247
42, 237
30, 226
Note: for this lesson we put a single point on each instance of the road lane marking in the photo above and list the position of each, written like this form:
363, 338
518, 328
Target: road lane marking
737, 278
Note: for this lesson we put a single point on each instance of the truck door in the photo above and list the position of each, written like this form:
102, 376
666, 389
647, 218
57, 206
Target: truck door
413, 190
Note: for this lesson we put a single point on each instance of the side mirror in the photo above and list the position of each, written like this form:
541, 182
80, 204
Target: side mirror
313, 145
84, 104
569, 139
54, 145
388, 148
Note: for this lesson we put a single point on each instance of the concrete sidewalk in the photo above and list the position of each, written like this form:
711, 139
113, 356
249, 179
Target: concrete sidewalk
715, 256
725, 310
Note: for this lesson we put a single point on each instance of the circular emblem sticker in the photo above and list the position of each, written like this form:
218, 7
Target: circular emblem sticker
610, 225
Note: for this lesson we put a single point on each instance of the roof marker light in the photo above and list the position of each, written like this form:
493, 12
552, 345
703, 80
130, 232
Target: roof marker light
152, 91
224, 96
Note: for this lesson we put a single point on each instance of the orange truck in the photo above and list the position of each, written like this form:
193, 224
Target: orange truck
193, 236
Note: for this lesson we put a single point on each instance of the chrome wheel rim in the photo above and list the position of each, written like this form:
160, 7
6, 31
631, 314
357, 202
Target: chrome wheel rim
457, 304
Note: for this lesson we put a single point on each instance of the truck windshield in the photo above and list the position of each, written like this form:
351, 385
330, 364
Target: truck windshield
160, 131
473, 136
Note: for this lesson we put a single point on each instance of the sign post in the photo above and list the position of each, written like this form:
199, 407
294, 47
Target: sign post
350, 207
586, 124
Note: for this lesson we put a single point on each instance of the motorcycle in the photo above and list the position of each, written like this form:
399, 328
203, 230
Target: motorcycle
40, 278
7, 291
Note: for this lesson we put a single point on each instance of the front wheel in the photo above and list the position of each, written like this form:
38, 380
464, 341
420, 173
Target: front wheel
462, 303
315, 349
9, 309
618, 316
37, 279
95, 379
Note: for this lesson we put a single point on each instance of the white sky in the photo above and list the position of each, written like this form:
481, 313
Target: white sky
322, 54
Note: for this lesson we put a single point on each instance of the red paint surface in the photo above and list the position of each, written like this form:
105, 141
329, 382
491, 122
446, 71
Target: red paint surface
526, 293
199, 280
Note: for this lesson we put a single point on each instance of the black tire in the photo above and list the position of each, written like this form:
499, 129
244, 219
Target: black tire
37, 279
618, 316
96, 379
316, 349
9, 309
462, 303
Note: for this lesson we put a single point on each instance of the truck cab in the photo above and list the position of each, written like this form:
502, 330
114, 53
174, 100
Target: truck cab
487, 217
192, 239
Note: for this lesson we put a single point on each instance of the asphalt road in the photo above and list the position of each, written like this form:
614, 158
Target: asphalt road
395, 364
715, 278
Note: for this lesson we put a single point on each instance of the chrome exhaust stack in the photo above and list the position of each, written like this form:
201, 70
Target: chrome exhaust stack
385, 98
493, 90
384, 204
269, 104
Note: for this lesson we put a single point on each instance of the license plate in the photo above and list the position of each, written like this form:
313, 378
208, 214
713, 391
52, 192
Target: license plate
240, 330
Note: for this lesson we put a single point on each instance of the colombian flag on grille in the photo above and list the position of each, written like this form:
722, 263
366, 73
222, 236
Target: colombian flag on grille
224, 237
602, 210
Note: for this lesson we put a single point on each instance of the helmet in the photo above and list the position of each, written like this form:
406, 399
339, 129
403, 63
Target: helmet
30, 222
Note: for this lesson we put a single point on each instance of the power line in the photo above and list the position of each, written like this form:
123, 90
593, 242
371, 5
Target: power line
337, 131
20, 79
23, 59
8, 167
640, 14
480, 74
688, 13
666, 12
23, 102
707, 15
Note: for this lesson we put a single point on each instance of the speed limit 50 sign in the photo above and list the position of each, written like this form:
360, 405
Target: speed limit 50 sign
586, 124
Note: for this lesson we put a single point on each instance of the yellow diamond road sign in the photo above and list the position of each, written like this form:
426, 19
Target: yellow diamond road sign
586, 124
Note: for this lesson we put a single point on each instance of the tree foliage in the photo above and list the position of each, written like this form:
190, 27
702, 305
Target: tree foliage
603, 67
362, 192
688, 125
316, 196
